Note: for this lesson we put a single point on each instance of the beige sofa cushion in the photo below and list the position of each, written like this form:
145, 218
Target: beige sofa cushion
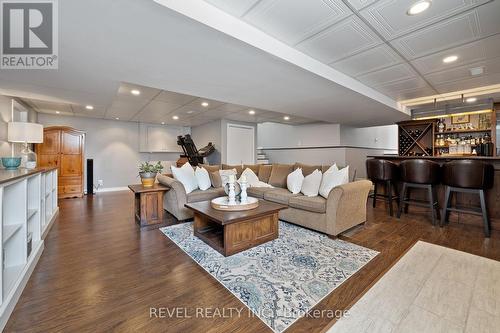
254, 167
265, 173
279, 195
258, 192
311, 204
239, 169
216, 179
211, 193
306, 169
279, 174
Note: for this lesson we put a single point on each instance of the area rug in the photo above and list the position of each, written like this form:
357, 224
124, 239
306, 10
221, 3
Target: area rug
281, 280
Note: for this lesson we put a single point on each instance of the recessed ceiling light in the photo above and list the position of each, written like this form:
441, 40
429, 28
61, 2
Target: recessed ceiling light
58, 112
286, 118
204, 104
175, 117
449, 59
476, 70
190, 111
252, 112
89, 107
117, 118
471, 99
163, 123
419, 7
135, 92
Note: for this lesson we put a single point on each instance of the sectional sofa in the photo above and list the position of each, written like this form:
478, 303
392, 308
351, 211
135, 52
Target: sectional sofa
344, 208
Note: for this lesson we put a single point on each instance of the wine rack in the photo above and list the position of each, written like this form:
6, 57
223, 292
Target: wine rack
416, 137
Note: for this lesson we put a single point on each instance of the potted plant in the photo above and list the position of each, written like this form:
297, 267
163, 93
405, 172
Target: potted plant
148, 172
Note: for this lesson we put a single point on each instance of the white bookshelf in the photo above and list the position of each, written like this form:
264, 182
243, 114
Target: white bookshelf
28, 207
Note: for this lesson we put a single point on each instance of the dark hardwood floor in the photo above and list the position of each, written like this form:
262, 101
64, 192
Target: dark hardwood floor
99, 273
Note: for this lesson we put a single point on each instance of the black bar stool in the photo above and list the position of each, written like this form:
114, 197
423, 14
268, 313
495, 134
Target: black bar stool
467, 176
420, 173
385, 172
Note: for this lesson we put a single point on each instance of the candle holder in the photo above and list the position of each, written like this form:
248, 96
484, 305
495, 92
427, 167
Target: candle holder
232, 193
243, 194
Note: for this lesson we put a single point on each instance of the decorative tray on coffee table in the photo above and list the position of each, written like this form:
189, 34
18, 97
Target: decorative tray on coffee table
222, 203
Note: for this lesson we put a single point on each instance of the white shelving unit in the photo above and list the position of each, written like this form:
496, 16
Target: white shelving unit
28, 207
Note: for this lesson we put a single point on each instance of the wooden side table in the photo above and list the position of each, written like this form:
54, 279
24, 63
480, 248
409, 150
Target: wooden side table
149, 203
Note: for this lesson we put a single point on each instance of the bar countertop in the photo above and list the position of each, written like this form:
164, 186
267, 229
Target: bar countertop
10, 175
439, 158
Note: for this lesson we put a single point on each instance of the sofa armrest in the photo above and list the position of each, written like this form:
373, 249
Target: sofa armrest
346, 206
175, 199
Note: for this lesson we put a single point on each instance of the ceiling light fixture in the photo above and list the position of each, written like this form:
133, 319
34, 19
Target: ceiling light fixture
286, 118
163, 123
175, 117
450, 59
471, 99
252, 112
190, 111
135, 92
419, 7
204, 104
89, 107
117, 118
57, 112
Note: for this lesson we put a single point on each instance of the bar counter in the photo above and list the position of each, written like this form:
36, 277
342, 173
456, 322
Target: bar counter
10, 175
461, 199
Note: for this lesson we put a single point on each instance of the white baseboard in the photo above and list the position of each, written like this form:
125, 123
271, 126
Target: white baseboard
112, 189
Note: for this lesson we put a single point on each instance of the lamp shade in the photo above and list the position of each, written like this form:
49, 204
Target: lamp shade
25, 132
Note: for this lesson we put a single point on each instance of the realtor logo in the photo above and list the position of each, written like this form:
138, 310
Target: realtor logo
29, 34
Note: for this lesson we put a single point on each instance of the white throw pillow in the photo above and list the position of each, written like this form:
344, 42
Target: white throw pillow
311, 183
203, 178
185, 175
333, 178
294, 181
262, 184
224, 175
252, 178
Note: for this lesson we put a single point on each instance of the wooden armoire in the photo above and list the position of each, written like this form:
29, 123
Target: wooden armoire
63, 147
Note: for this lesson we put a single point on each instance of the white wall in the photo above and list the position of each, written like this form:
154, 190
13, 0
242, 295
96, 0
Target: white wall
382, 137
114, 146
209, 132
274, 135
342, 145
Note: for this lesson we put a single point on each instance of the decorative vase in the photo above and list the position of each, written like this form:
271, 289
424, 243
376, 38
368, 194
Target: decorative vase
243, 194
232, 194
11, 163
147, 178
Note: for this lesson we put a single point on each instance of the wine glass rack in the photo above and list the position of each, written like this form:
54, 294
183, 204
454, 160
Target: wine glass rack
416, 137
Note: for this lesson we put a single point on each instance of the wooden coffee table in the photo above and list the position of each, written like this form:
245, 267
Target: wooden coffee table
233, 232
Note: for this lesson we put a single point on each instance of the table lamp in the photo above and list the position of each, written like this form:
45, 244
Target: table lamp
21, 132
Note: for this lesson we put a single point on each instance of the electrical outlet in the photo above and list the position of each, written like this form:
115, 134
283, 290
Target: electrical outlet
100, 182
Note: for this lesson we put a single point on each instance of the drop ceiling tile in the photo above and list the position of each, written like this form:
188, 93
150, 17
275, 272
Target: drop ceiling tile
52, 106
147, 93
387, 75
461, 73
468, 53
229, 108
360, 4
488, 17
368, 61
123, 109
241, 117
472, 82
233, 7
190, 111
460, 29
174, 98
400, 90
196, 104
157, 108
54, 112
81, 111
340, 41
291, 21
390, 19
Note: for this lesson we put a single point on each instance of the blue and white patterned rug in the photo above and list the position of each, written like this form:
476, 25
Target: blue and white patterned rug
280, 281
